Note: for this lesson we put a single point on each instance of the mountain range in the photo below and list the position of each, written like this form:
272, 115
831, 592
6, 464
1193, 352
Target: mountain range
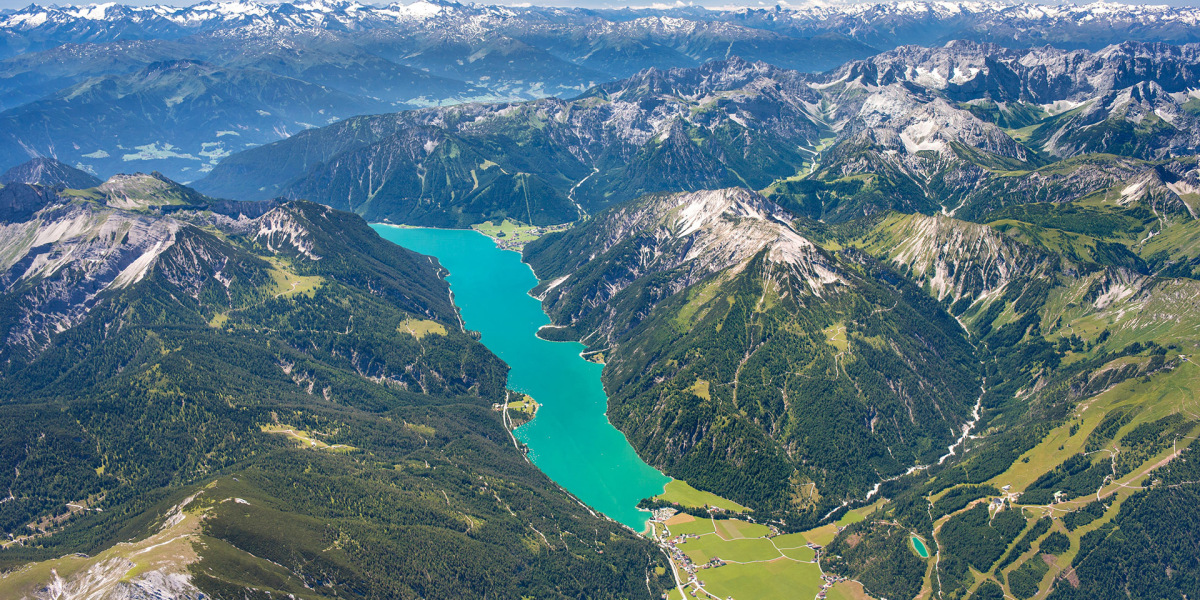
882, 25
916, 129
374, 59
916, 283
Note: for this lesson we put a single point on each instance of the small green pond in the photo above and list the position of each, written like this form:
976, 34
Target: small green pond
919, 546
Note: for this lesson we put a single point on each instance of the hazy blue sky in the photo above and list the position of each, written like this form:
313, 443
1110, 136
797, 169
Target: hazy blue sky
11, 4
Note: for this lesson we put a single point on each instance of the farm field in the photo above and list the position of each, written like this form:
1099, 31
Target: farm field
419, 328
753, 563
777, 580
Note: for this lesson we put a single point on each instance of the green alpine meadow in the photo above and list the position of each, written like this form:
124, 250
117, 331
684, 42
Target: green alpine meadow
431, 300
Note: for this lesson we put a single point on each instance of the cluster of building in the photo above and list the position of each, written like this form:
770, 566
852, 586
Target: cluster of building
678, 557
517, 240
828, 581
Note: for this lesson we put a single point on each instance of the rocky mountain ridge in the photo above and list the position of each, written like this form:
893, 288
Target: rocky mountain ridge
358, 59
66, 252
608, 145
49, 173
679, 240
878, 24
915, 129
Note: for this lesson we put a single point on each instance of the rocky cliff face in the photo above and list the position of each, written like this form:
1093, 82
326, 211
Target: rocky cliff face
1141, 85
58, 264
957, 259
980, 273
966, 70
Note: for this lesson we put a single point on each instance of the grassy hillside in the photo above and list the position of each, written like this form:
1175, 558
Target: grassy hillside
1087, 423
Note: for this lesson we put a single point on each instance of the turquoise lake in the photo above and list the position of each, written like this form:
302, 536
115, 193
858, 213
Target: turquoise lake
571, 439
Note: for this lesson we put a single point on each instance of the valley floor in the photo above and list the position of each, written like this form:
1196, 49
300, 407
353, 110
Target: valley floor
736, 558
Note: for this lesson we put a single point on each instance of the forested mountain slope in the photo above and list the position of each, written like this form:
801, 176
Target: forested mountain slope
235, 390
1085, 432
953, 286
1038, 265
744, 358
748, 354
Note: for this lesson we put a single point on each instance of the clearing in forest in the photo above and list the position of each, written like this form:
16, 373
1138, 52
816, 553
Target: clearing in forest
683, 494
